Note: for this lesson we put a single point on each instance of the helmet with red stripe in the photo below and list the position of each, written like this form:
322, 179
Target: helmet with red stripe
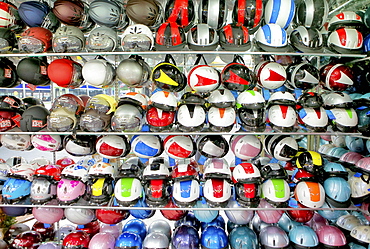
160, 120
248, 13
270, 75
336, 77
203, 78
170, 36
238, 77
179, 146
181, 12
346, 41
282, 117
234, 37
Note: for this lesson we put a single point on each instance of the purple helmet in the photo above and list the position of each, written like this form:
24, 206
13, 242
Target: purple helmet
185, 237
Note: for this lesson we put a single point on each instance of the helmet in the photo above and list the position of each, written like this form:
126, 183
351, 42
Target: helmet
101, 190
273, 237
8, 75
212, 146
283, 148
156, 240
303, 236
148, 12
22, 171
173, 214
191, 117
286, 223
112, 146
335, 170
306, 39
343, 119
238, 77
186, 192
170, 36
336, 77
15, 190
179, 146
185, 237
81, 145
281, 98
305, 76
37, 14
14, 230
65, 73
63, 231
102, 39
35, 40
359, 188
27, 239
204, 215
217, 192
234, 37
68, 39
245, 147
240, 217
310, 161
270, 75
310, 194
250, 99
347, 222
134, 98
243, 238
214, 237
42, 191
102, 240
280, 12
282, 117
300, 215
34, 118
48, 215
17, 141
247, 194
128, 239
203, 78
337, 100
221, 98
276, 191
8, 40
46, 142
164, 100
114, 229
127, 118
136, 226
302, 175
76, 239
102, 169
311, 14
252, 119
345, 40
361, 234
246, 173
157, 192
9, 16
127, 191
193, 98
111, 216
70, 102
160, 226
79, 216
216, 168
362, 166
310, 99
137, 37
69, 191
156, 169
133, 71
182, 13
213, 13
69, 12
98, 73
345, 19
331, 236
314, 119
33, 71
271, 37
221, 119
108, 13
248, 14
146, 146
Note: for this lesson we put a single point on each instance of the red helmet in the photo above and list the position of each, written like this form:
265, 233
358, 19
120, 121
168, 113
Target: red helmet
336, 77
181, 12
183, 171
299, 215
46, 232
111, 216
76, 239
173, 214
64, 162
69, 12
160, 120
28, 239
39, 33
90, 228
50, 172
65, 73
301, 175
170, 36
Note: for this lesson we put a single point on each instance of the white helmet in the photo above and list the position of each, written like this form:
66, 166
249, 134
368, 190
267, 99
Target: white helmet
164, 100
239, 217
75, 172
179, 146
250, 99
46, 142
217, 192
270, 74
185, 193
18, 142
22, 171
79, 216
191, 117
314, 119
102, 169
359, 188
310, 194
204, 78
216, 168
128, 191
202, 37
343, 119
246, 173
137, 37
271, 37
221, 98
221, 119
337, 100
98, 73
284, 148
156, 169
39, 161
245, 147
282, 117
112, 146
282, 98
361, 234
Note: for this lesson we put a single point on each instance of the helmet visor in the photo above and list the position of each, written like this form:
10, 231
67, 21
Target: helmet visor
30, 45
67, 44
100, 43
4, 45
99, 105
59, 120
287, 151
136, 42
93, 123
69, 104
126, 123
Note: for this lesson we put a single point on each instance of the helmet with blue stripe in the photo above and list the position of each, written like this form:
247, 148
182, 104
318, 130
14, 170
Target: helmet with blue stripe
280, 12
271, 38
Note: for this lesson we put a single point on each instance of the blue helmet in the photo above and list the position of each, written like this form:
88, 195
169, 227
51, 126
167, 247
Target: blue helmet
189, 220
141, 213
355, 144
330, 214
243, 238
15, 190
136, 226
129, 240
286, 223
335, 169
219, 221
204, 215
38, 14
185, 237
337, 192
214, 237
303, 237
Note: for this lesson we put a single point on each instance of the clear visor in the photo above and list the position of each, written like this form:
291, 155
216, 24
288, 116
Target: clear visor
77, 79
99, 43
126, 123
58, 122
92, 123
67, 44
30, 45
69, 104
4, 45
136, 42
100, 105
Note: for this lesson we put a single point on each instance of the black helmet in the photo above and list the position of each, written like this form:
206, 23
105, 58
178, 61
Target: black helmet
170, 36
252, 119
192, 98
248, 13
11, 103
236, 76
34, 118
31, 101
213, 13
8, 75
234, 37
8, 39
310, 100
306, 39
303, 75
181, 12
33, 70
80, 145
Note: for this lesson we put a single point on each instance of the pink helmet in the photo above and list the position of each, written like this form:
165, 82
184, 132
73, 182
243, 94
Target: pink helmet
317, 221
47, 142
114, 229
69, 191
331, 236
363, 166
47, 214
102, 240
267, 213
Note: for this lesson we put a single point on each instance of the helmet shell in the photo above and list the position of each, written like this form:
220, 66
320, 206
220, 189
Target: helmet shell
346, 40
312, 14
271, 38
336, 77
273, 237
234, 37
133, 71
270, 75
238, 77
214, 237
182, 13
146, 12
248, 13
280, 12
179, 147
65, 73
33, 70
69, 191
170, 36
203, 78
310, 194
306, 39
108, 13
102, 240
69, 12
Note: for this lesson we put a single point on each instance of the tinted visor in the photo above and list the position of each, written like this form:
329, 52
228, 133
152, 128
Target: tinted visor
58, 122
30, 45
67, 44
136, 42
287, 152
